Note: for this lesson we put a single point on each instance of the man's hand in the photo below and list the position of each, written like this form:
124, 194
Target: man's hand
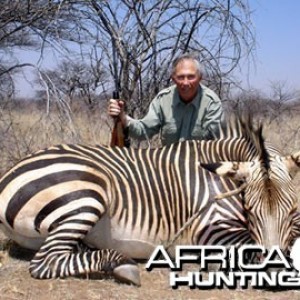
116, 109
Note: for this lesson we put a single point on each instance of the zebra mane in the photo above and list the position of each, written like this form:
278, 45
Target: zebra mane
246, 128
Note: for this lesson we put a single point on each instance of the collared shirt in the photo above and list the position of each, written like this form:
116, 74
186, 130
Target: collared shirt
176, 120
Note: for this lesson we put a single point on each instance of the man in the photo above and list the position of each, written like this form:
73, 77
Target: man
184, 111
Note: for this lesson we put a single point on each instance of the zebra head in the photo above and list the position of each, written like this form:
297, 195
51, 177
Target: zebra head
268, 193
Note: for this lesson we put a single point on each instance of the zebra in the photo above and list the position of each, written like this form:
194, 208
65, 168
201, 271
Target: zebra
120, 203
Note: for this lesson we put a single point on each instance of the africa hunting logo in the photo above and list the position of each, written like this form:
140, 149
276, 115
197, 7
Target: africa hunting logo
234, 267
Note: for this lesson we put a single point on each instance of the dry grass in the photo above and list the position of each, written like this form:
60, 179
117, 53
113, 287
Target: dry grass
27, 130
30, 130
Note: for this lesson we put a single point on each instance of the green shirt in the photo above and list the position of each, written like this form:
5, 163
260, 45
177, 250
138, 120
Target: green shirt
176, 120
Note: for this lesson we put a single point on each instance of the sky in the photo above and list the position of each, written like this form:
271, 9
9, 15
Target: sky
277, 55
277, 26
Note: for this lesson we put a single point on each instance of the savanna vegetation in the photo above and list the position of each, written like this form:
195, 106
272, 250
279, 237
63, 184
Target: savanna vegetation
100, 46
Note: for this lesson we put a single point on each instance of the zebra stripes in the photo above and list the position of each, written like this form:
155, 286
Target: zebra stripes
122, 202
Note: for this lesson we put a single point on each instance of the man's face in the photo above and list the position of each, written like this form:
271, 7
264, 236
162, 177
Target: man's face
187, 80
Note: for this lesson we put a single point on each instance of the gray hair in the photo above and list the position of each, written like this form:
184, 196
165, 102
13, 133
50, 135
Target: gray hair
187, 56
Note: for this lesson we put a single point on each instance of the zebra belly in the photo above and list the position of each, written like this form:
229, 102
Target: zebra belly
107, 233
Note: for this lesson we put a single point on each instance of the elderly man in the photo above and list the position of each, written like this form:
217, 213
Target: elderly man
184, 111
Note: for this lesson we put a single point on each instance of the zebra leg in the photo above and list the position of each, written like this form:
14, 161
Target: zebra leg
61, 256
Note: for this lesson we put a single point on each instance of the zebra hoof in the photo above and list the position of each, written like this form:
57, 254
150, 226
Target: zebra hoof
128, 274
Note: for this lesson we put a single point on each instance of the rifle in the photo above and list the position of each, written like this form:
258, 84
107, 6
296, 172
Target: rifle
119, 134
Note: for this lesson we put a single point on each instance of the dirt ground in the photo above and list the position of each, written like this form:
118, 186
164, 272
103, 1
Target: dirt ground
16, 283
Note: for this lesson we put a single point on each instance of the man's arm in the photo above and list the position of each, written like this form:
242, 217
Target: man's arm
148, 126
140, 129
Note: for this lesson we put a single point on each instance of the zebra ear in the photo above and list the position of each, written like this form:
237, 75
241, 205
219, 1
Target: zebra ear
234, 170
292, 162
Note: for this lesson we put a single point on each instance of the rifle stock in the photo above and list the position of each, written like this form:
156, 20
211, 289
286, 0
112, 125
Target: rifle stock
119, 134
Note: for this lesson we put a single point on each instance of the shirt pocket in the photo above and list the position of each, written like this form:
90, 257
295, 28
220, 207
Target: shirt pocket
198, 132
203, 132
169, 133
